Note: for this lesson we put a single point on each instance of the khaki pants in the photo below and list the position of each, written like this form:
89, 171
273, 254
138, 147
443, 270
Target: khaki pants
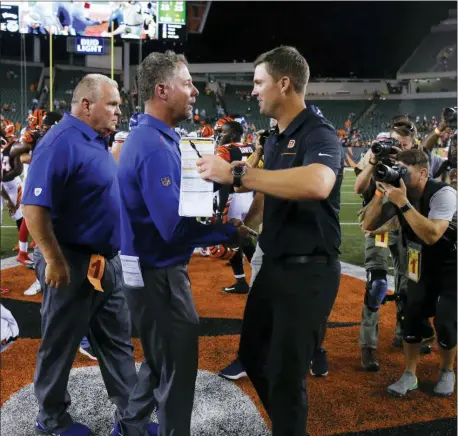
377, 258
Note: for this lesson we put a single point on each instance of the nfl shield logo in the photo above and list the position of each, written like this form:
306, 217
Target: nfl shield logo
165, 181
37, 191
291, 143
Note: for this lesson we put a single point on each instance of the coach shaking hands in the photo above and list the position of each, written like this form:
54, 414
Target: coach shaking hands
156, 245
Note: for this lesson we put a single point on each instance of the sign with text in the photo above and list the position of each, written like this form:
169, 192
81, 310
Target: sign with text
89, 46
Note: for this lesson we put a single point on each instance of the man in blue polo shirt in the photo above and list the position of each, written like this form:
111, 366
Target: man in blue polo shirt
156, 245
71, 204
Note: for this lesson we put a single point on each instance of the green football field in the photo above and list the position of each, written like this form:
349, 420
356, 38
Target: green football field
352, 237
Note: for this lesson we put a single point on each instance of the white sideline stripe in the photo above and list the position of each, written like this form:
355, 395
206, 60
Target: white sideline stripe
351, 203
348, 269
9, 227
9, 262
349, 224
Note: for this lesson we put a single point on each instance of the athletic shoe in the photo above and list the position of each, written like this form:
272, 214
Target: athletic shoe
88, 352
319, 363
234, 371
34, 289
241, 287
76, 429
4, 290
23, 257
408, 382
152, 430
446, 384
205, 252
368, 360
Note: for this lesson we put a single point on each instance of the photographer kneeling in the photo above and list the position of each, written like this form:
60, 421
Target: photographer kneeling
426, 210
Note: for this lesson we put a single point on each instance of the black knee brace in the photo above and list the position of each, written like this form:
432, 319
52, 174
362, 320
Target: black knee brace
376, 289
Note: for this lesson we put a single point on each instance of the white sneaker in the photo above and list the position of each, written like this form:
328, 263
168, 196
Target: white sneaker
34, 289
204, 251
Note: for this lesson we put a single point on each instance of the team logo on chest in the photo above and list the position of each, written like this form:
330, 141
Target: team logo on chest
165, 181
291, 143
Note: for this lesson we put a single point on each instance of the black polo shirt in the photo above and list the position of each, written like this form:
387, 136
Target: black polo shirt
310, 227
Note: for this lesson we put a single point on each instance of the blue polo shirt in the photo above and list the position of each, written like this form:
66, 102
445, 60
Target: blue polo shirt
149, 180
73, 175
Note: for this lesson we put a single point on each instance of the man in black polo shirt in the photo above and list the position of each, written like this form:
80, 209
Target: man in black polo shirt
297, 284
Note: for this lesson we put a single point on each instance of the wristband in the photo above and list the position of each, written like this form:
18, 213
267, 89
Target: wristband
437, 131
379, 193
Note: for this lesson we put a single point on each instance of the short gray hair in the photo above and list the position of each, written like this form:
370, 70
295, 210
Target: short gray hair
90, 86
157, 68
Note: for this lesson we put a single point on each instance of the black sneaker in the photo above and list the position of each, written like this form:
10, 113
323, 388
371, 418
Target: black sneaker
234, 371
241, 287
368, 360
319, 363
88, 353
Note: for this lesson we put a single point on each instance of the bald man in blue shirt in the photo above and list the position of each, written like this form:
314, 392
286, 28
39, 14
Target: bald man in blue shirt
161, 242
72, 205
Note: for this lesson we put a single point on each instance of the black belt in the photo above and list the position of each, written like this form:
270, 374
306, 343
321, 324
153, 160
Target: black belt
307, 259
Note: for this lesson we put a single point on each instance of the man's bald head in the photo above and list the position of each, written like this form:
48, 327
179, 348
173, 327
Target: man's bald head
90, 88
96, 102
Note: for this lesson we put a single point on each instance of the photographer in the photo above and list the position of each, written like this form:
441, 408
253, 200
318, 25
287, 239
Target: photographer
377, 248
426, 210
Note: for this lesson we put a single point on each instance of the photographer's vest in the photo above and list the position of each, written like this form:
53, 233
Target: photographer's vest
441, 256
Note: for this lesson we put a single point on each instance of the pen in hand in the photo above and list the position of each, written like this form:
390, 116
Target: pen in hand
195, 148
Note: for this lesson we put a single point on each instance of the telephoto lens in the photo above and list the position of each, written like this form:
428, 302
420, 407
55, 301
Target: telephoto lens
391, 175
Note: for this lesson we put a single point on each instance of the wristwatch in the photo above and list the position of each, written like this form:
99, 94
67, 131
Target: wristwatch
237, 173
406, 207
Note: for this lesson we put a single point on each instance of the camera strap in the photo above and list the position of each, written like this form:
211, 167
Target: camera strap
414, 257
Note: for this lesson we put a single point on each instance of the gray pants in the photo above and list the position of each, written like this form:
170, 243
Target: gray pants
166, 319
377, 258
69, 313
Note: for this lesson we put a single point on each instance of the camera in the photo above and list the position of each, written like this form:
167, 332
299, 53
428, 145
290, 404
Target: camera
450, 116
390, 174
383, 149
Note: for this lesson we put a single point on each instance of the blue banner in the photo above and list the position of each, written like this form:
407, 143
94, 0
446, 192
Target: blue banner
89, 46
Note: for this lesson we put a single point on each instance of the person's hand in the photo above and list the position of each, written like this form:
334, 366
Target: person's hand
245, 232
236, 222
398, 196
212, 167
12, 208
57, 273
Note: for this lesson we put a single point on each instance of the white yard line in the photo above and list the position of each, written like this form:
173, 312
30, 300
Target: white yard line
9, 227
9, 262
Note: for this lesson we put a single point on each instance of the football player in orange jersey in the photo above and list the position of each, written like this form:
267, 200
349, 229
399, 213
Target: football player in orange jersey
231, 149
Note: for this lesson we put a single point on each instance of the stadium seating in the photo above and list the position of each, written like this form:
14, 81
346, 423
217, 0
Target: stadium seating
426, 57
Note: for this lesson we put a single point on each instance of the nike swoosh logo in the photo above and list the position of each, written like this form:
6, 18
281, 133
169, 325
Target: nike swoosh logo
322, 154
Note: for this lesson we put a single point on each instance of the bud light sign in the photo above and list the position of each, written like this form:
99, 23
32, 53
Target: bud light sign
89, 46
